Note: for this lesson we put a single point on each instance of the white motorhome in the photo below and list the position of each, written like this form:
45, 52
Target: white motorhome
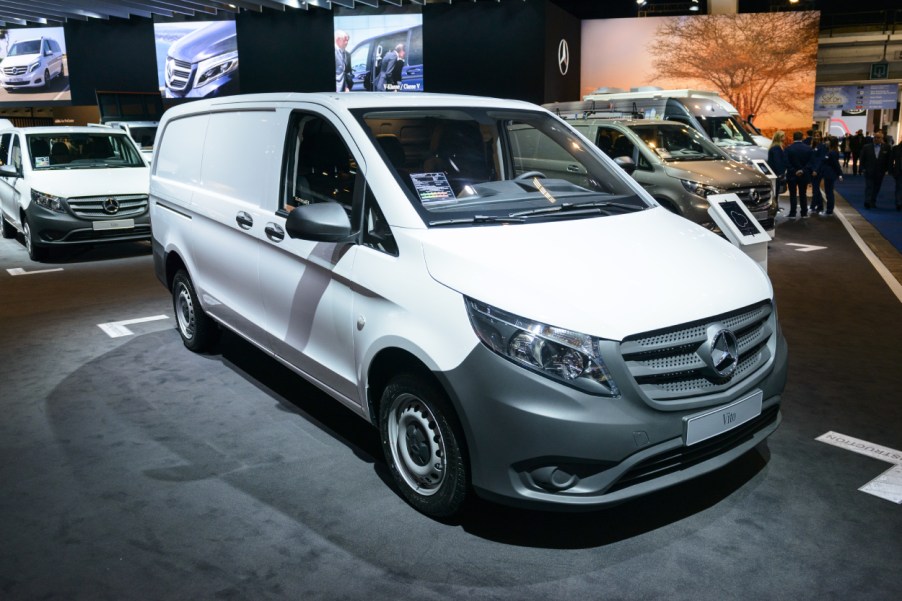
705, 111
541, 338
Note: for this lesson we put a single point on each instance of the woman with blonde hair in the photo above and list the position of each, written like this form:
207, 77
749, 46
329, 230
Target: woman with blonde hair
777, 160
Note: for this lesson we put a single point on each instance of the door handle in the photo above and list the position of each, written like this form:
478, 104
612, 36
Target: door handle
274, 232
573, 168
244, 219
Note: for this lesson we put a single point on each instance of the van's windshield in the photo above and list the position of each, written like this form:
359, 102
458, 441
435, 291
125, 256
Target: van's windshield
27, 47
82, 151
467, 165
726, 131
674, 142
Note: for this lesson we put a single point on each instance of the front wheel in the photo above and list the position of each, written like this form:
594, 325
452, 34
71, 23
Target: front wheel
197, 330
36, 252
423, 446
46, 78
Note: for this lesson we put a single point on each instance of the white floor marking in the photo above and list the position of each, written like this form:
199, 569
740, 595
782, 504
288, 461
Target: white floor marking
887, 485
117, 329
805, 248
20, 271
885, 273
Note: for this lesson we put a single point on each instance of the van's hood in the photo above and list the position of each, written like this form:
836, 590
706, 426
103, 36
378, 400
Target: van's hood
212, 40
724, 175
743, 153
609, 277
21, 60
74, 183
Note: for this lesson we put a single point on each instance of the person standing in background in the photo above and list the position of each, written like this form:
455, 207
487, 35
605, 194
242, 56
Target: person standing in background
896, 170
876, 160
846, 148
855, 145
776, 159
830, 171
798, 174
390, 72
344, 79
818, 156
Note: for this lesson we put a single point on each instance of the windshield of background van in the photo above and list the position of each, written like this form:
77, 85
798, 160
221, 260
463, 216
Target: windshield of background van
34, 68
761, 63
385, 52
59, 151
197, 59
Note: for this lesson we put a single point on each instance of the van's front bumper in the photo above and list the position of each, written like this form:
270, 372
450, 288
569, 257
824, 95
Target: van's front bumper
61, 229
533, 441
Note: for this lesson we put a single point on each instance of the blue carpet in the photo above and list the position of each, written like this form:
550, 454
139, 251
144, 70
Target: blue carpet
885, 217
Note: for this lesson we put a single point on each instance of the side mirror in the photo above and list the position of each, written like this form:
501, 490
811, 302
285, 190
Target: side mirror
319, 222
10, 171
626, 163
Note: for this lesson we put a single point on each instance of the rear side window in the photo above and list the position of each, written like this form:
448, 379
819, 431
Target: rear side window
181, 149
239, 173
4, 148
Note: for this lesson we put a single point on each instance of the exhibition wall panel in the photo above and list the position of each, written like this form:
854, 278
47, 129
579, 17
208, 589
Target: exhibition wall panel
110, 55
289, 51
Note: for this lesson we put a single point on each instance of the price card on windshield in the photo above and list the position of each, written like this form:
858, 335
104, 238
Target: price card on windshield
432, 187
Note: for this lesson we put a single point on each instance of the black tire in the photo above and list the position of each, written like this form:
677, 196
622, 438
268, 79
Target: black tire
46, 78
36, 252
7, 230
423, 445
197, 330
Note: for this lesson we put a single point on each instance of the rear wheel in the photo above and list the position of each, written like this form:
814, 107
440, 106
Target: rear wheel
423, 446
197, 330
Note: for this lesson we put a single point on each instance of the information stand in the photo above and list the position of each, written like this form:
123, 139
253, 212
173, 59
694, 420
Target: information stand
762, 166
739, 226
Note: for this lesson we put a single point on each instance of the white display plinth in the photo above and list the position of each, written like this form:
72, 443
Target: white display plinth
739, 226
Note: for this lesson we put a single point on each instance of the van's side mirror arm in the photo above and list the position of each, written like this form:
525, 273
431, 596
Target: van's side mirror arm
10, 171
319, 222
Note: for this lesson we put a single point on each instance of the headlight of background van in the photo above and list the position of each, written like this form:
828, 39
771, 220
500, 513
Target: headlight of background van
562, 355
48, 201
698, 189
213, 68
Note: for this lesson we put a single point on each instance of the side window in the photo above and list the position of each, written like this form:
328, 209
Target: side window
621, 146
15, 154
319, 167
4, 148
604, 139
415, 49
376, 233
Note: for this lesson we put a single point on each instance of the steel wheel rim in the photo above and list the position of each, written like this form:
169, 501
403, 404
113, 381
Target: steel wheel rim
184, 311
417, 446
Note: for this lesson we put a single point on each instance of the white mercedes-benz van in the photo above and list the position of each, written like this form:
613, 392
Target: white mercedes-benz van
540, 338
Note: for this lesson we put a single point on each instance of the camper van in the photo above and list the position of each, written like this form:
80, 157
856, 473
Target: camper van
705, 111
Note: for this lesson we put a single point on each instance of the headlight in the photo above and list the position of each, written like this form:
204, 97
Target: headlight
34, 66
213, 68
698, 189
562, 355
48, 201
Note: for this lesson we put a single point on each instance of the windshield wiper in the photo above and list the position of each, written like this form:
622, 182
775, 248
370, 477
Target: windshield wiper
479, 219
596, 206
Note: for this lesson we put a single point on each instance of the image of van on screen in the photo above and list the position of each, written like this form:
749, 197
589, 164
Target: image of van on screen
197, 59
386, 53
33, 66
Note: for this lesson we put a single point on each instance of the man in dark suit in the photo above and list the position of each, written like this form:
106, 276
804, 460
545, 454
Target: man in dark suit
876, 159
897, 173
390, 71
798, 173
344, 79
855, 145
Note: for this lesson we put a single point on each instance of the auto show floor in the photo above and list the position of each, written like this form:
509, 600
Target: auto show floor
132, 468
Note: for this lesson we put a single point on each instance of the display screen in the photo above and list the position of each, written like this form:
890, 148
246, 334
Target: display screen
197, 59
746, 226
34, 69
381, 53
764, 168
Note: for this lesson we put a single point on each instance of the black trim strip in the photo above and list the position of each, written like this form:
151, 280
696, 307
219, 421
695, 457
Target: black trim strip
165, 205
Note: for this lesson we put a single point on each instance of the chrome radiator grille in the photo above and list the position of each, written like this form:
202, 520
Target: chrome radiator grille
755, 199
668, 365
100, 207
178, 74
14, 70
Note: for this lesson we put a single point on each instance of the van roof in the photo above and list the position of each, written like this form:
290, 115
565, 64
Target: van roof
354, 100
68, 129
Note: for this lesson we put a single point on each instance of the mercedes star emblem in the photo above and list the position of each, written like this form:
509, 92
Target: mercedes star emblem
110, 206
724, 353
563, 57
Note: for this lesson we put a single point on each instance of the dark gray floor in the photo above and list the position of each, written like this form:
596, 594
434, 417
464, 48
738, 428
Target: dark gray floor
133, 469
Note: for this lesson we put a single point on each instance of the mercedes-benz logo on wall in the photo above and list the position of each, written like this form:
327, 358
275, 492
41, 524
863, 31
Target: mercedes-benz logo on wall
563, 57
110, 206
721, 352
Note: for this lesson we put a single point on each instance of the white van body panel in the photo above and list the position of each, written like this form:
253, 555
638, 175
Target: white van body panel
616, 293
